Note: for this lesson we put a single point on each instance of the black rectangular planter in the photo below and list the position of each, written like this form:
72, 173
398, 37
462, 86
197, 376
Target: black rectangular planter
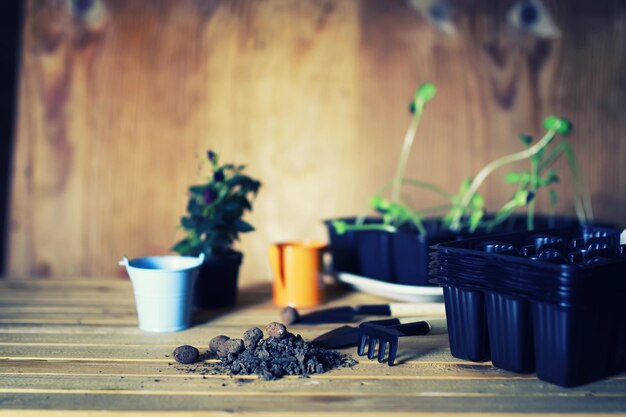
552, 302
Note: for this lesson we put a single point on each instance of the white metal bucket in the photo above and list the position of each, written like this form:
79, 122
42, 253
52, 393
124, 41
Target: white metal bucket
163, 287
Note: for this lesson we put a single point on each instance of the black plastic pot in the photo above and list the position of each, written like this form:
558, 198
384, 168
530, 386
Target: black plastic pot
400, 257
510, 332
376, 255
411, 252
618, 334
216, 285
573, 345
344, 247
552, 302
467, 324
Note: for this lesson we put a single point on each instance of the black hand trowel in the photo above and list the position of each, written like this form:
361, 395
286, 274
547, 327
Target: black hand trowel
346, 314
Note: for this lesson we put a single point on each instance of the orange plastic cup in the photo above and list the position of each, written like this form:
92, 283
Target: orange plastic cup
297, 270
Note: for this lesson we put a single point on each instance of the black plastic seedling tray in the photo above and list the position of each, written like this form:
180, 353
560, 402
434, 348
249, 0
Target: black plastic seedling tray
550, 303
402, 257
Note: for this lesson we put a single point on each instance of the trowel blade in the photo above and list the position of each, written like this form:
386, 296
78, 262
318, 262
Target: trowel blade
341, 337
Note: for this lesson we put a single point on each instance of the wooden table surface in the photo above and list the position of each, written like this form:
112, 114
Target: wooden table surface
73, 348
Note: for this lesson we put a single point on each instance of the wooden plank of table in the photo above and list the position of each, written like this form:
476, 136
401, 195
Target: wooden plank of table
408, 370
349, 404
78, 357
129, 413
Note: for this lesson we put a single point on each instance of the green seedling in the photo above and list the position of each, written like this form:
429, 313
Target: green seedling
466, 210
529, 182
395, 211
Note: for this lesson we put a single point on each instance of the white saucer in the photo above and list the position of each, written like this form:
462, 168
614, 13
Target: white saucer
397, 292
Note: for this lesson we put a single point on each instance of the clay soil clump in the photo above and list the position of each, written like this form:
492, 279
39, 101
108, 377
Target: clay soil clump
280, 354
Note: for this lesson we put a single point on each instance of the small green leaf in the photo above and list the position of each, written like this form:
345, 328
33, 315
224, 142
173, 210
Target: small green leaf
197, 190
517, 177
554, 177
520, 198
560, 124
513, 177
397, 212
380, 203
340, 227
550, 122
376, 201
187, 223
193, 207
475, 219
550, 178
246, 204
243, 226
526, 139
231, 205
478, 201
425, 93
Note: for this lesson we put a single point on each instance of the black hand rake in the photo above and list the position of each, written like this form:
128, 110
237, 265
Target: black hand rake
375, 333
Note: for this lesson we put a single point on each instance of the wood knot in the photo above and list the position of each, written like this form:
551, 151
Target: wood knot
90, 13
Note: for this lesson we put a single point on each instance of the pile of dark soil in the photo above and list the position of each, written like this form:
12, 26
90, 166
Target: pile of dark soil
282, 353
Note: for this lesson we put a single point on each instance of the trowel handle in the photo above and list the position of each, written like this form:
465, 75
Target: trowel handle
437, 325
416, 328
417, 309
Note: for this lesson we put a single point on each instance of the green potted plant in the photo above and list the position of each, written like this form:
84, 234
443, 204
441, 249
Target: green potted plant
212, 224
395, 248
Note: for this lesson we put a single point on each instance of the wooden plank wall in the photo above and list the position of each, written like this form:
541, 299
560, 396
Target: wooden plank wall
118, 99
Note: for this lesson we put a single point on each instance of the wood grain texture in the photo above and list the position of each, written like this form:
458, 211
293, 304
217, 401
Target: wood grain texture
122, 371
119, 99
96, 413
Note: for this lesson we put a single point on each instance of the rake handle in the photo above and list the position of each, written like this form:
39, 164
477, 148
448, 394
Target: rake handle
416, 328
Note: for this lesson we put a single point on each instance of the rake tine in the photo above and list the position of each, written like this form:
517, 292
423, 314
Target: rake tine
361, 350
393, 350
382, 347
371, 351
